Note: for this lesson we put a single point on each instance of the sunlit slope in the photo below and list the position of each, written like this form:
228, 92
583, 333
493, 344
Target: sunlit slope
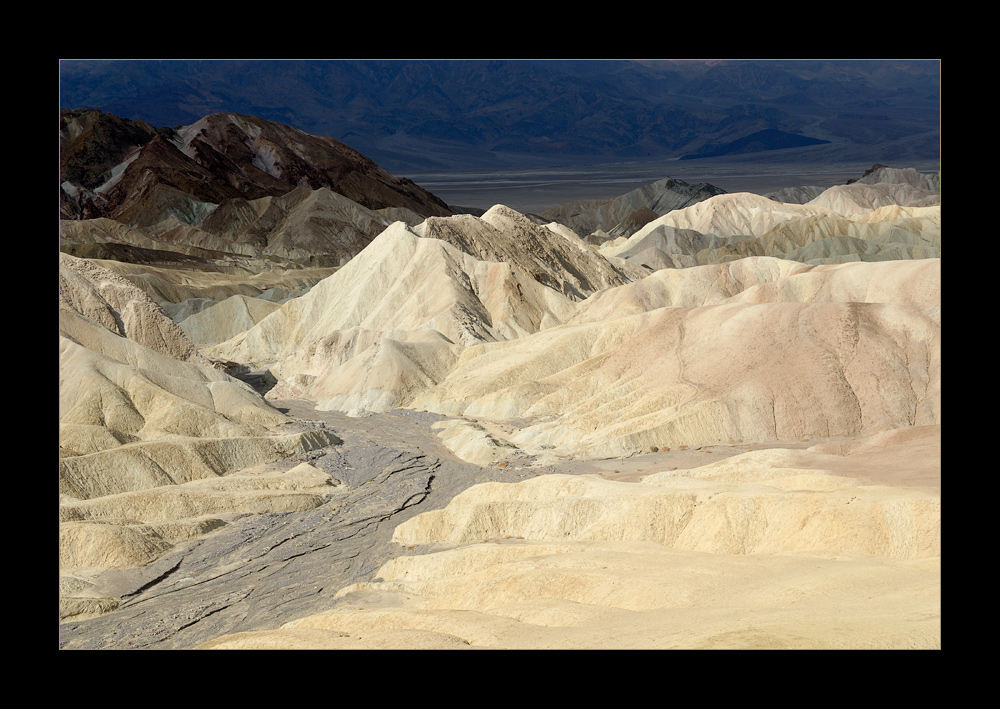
856, 222
147, 430
780, 549
392, 321
825, 351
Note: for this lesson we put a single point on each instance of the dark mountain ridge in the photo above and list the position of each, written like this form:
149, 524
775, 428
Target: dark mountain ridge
421, 115
134, 173
761, 141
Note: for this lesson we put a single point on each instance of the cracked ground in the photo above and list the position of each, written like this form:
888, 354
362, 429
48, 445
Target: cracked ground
260, 571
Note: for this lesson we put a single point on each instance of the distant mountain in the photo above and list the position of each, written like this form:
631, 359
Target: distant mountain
887, 214
600, 220
762, 140
227, 190
429, 115
139, 175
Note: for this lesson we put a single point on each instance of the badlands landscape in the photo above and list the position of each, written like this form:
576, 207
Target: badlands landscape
304, 404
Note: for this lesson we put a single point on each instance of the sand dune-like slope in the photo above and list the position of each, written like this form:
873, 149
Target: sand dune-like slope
757, 349
927, 187
740, 213
666, 247
685, 288
763, 280
402, 282
887, 233
623, 215
671, 360
134, 528
907, 175
132, 418
360, 371
181, 292
861, 198
141, 412
555, 257
392, 321
770, 549
108, 299
856, 222
226, 319
757, 502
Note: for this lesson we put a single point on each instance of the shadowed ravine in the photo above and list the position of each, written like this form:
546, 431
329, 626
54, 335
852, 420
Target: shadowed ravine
260, 571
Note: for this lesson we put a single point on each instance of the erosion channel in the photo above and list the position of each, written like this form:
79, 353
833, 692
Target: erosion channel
259, 571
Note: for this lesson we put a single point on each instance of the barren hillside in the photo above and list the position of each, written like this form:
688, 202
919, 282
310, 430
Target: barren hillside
721, 431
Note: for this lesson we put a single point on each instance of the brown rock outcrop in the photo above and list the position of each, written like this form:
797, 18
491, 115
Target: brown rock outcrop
137, 174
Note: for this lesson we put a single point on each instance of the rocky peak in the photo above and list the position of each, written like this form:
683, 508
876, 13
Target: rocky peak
221, 156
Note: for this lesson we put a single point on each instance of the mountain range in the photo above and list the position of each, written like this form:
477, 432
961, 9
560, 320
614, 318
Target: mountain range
425, 115
229, 176
242, 192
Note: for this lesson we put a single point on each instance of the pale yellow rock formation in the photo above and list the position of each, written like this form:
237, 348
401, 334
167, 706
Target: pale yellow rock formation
170, 286
852, 222
391, 323
134, 528
146, 429
828, 351
226, 319
515, 328
119, 306
781, 549
861, 198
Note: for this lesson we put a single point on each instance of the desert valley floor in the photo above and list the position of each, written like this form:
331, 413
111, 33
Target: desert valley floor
716, 428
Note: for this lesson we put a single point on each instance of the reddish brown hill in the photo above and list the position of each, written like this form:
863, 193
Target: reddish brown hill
132, 172
275, 157
91, 143
160, 180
